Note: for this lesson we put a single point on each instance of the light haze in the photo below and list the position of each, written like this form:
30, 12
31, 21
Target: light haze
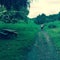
44, 6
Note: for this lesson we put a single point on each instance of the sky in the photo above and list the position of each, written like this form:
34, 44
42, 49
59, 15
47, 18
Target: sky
43, 6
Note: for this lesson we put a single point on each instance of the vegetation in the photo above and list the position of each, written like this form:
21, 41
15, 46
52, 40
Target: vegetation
17, 48
15, 4
14, 11
54, 33
40, 19
13, 16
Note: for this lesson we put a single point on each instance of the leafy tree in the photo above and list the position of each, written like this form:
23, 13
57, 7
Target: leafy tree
16, 4
40, 19
16, 9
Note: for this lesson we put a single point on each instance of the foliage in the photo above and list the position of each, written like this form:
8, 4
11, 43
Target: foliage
16, 4
40, 19
15, 10
13, 16
54, 33
52, 26
17, 49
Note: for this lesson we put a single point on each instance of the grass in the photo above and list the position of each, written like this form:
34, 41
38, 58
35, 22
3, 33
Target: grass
17, 49
54, 33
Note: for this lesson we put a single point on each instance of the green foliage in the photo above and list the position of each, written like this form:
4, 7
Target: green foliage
16, 4
17, 49
52, 26
14, 16
2, 8
54, 33
15, 10
40, 19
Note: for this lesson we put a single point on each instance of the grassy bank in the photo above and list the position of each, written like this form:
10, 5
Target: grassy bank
54, 33
16, 49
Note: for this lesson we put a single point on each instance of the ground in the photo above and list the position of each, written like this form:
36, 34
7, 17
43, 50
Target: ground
43, 48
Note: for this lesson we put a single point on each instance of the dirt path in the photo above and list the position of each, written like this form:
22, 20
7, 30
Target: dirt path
43, 48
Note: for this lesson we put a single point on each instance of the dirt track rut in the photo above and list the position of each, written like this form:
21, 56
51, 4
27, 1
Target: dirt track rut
43, 48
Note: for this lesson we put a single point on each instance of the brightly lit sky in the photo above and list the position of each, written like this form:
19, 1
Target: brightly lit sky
44, 6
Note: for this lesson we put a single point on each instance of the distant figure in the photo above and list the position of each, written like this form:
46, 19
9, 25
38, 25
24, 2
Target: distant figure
42, 26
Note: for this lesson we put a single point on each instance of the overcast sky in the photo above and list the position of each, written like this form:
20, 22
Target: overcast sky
44, 6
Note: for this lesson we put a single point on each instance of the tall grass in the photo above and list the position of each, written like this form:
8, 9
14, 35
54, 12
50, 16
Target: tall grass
17, 49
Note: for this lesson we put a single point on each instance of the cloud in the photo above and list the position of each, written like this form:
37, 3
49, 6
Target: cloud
44, 6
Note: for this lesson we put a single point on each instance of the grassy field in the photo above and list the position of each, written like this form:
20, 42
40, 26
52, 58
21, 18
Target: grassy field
17, 49
54, 33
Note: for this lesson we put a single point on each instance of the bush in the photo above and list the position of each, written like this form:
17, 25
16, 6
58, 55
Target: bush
52, 26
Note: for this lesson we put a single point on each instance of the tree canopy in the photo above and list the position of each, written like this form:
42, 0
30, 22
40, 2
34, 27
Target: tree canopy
16, 4
16, 9
40, 19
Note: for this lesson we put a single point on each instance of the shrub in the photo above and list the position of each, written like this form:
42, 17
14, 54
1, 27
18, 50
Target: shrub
52, 26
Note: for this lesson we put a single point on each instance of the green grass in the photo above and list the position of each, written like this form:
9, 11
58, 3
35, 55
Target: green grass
17, 49
54, 33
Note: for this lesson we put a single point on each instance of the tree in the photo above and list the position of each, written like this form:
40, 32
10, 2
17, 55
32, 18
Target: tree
59, 16
16, 9
40, 19
16, 4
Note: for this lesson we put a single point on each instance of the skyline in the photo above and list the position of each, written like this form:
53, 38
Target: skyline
47, 7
